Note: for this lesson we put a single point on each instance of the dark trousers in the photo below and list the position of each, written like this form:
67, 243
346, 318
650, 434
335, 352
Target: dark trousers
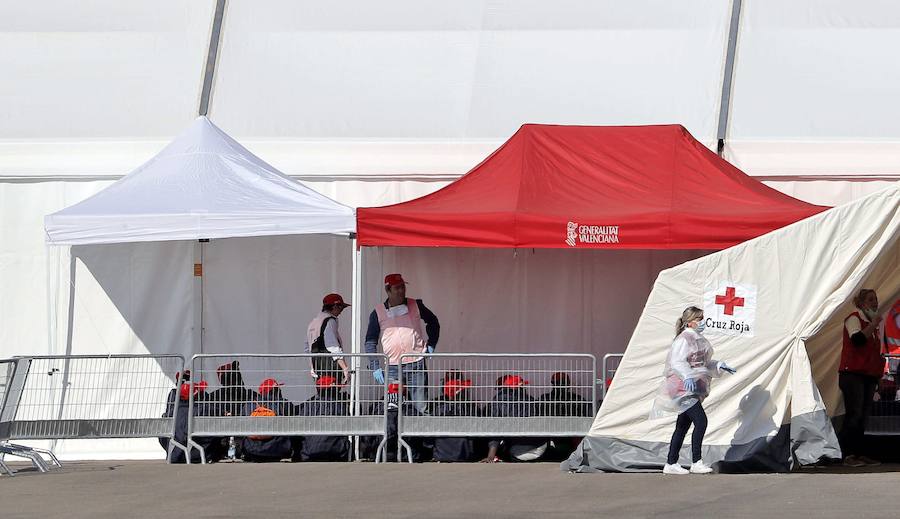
858, 390
697, 416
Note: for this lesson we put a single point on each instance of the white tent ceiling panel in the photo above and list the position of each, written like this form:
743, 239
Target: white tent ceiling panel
480, 72
102, 69
817, 70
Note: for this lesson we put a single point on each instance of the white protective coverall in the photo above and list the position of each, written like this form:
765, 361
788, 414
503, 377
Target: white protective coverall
690, 357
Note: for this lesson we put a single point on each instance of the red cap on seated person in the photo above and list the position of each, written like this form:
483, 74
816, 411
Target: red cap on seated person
392, 280
268, 385
514, 381
326, 381
453, 386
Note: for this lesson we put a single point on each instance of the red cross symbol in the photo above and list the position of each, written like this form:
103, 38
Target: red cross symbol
729, 301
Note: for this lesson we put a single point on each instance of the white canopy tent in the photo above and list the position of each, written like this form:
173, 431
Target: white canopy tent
790, 292
205, 186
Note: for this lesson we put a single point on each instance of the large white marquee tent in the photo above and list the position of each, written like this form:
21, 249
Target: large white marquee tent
373, 104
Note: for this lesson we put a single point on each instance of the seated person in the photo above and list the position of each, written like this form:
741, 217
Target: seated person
231, 399
178, 401
369, 444
562, 401
455, 402
329, 400
263, 448
512, 401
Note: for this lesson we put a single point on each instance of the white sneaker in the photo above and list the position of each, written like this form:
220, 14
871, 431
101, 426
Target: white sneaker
698, 467
674, 469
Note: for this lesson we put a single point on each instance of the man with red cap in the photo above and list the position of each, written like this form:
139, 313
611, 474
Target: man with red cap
397, 324
323, 336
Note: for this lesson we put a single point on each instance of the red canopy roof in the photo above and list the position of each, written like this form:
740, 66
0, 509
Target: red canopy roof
638, 187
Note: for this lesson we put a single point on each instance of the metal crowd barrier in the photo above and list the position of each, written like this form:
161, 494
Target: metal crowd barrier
611, 363
303, 404
494, 395
884, 418
86, 397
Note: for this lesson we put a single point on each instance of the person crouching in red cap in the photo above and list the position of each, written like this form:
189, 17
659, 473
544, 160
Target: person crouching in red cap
455, 402
328, 401
512, 401
262, 448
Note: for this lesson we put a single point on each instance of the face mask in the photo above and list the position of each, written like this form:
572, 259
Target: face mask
700, 326
871, 314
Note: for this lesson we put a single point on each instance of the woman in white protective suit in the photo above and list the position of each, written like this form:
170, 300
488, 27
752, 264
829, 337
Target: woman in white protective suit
689, 371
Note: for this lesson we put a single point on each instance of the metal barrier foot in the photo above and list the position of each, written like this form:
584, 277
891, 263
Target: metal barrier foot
172, 445
194, 445
407, 447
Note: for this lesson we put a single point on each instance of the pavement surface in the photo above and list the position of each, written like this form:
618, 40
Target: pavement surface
367, 491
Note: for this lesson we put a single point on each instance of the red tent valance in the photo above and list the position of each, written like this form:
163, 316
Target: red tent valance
638, 187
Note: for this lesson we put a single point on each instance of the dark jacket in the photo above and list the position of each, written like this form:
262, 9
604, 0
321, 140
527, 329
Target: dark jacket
274, 448
561, 401
175, 404
324, 448
513, 403
450, 448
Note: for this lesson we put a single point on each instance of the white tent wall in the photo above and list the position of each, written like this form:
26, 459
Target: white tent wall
261, 293
525, 300
100, 70
466, 70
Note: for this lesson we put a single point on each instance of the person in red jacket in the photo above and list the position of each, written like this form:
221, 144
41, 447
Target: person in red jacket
861, 367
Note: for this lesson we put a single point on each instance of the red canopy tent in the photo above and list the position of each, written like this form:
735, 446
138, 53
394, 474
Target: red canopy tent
634, 187
632, 200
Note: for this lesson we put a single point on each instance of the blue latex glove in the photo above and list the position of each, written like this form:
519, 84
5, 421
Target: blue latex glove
690, 385
429, 349
379, 375
726, 368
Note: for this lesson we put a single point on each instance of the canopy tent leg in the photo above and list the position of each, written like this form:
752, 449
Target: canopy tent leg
197, 291
355, 331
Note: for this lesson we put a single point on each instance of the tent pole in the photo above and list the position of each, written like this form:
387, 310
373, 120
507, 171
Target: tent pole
197, 307
212, 55
355, 314
728, 76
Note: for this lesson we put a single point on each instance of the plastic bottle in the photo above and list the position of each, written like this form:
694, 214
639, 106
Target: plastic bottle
232, 449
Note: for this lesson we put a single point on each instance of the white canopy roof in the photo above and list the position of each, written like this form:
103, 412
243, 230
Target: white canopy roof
202, 185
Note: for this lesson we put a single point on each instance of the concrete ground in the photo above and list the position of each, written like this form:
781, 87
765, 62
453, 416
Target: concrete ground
366, 491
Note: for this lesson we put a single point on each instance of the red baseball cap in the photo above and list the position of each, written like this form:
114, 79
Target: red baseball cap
393, 388
454, 386
392, 280
185, 390
187, 387
268, 385
326, 381
334, 299
514, 381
